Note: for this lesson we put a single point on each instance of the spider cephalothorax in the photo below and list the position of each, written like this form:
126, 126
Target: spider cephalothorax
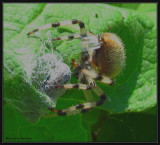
102, 58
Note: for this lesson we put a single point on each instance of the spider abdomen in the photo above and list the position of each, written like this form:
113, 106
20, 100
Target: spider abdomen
109, 60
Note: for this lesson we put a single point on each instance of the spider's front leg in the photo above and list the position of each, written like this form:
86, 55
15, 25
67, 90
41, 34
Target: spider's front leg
90, 85
71, 86
87, 83
85, 107
82, 108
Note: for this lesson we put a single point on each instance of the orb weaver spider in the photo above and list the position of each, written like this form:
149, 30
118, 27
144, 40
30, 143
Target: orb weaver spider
102, 58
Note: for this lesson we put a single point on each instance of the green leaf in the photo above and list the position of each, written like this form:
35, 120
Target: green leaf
133, 6
48, 129
148, 9
135, 88
131, 127
20, 93
16, 16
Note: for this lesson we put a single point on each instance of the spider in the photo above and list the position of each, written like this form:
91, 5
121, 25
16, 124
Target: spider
102, 58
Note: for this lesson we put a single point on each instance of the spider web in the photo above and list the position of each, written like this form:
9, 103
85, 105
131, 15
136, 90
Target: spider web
42, 70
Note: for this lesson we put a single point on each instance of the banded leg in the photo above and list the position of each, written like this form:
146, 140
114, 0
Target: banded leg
74, 36
78, 86
97, 76
80, 108
62, 23
88, 95
91, 82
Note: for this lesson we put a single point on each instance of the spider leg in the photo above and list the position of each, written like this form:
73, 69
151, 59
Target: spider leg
80, 108
91, 84
98, 91
88, 95
62, 23
74, 36
82, 86
97, 76
78, 86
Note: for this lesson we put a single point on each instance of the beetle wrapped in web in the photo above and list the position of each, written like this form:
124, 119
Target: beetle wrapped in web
102, 58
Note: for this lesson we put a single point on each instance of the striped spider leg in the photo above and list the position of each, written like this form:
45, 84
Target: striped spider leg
85, 107
86, 84
102, 58
62, 23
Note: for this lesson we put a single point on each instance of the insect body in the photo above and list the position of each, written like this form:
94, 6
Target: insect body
102, 58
